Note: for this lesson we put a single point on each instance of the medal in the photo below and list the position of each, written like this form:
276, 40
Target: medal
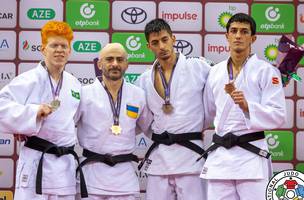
55, 104
167, 108
116, 129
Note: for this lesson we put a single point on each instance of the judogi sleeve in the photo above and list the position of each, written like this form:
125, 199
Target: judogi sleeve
144, 121
209, 104
16, 116
270, 112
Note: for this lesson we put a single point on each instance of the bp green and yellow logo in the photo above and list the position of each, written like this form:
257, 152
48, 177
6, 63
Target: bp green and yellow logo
271, 52
280, 144
274, 18
135, 45
286, 185
88, 15
224, 18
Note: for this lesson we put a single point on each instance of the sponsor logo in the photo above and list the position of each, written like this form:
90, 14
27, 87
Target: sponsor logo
41, 13
275, 80
87, 46
133, 43
86, 81
286, 185
4, 45
6, 195
183, 46
272, 14
6, 76
224, 18
87, 10
280, 144
5, 141
26, 46
179, 16
142, 143
218, 48
131, 78
271, 52
134, 15
6, 15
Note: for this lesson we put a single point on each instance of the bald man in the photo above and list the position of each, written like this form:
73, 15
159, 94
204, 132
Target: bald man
110, 111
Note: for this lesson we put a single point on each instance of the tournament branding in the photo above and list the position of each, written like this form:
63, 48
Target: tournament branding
286, 185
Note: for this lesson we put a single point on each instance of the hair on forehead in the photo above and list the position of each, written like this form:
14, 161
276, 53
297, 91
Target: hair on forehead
113, 47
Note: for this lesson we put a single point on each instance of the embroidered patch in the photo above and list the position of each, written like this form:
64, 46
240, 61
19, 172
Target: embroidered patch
132, 111
275, 80
76, 95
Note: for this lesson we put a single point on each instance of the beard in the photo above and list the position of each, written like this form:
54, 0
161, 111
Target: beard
114, 74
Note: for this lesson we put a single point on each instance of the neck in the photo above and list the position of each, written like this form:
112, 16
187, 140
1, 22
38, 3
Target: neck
55, 72
113, 86
238, 58
169, 63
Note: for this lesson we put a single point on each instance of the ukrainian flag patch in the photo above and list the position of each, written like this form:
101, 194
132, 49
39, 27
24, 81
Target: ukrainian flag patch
132, 111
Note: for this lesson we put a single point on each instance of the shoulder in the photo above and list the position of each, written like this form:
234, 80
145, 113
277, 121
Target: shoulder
72, 79
134, 89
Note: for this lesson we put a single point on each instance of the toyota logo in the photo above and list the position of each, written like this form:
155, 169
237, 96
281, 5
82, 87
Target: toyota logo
183, 46
134, 15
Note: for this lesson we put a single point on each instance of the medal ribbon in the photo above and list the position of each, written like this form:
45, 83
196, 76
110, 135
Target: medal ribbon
55, 92
231, 68
164, 82
114, 106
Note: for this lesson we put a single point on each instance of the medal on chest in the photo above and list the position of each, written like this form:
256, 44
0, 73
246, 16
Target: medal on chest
116, 129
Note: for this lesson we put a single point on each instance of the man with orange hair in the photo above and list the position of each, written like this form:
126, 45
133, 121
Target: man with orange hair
40, 105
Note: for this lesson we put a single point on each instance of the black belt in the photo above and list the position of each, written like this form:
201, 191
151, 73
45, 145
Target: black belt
106, 158
230, 140
45, 146
182, 139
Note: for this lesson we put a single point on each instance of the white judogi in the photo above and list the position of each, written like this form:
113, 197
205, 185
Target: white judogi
94, 134
263, 91
19, 102
186, 96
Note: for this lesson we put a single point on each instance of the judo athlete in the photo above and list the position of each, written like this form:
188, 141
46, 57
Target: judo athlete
110, 111
245, 95
174, 89
40, 104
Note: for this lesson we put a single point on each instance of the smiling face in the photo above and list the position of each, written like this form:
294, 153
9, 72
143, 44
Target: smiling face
239, 37
113, 62
161, 43
56, 52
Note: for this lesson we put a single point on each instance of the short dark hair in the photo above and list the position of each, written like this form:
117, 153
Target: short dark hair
243, 18
156, 26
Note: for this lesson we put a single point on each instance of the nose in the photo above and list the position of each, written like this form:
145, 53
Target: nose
161, 45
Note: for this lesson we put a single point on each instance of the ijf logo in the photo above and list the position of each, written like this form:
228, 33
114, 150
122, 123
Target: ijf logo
184, 47
286, 185
134, 15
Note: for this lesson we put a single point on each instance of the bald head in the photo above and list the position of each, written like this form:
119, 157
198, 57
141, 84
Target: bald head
111, 48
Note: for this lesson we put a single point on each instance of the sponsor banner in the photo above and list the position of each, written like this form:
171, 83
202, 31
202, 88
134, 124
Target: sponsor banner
290, 107
300, 18
142, 145
6, 195
142, 177
30, 45
274, 18
189, 44
6, 144
6, 173
278, 167
300, 41
218, 14
182, 16
300, 114
8, 17
300, 143
133, 72
35, 13
289, 89
7, 45
280, 144
300, 85
216, 47
86, 45
135, 45
266, 47
85, 73
7, 73
88, 15
23, 67
300, 167
132, 15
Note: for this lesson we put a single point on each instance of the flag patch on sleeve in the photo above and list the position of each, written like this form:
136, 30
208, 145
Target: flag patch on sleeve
275, 80
76, 95
132, 111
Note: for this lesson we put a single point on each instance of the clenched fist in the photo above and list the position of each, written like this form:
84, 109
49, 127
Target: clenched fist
43, 111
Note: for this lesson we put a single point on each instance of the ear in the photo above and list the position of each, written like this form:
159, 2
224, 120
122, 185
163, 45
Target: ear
173, 38
99, 64
148, 45
226, 35
253, 39
43, 50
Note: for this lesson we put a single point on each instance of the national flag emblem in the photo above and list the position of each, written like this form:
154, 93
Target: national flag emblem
76, 95
132, 111
275, 80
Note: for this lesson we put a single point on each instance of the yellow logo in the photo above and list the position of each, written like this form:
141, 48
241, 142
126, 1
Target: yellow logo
6, 195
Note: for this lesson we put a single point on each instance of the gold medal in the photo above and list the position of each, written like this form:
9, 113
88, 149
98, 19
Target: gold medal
116, 129
55, 104
167, 108
229, 88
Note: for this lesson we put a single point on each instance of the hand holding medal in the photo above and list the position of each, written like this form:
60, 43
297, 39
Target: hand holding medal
229, 88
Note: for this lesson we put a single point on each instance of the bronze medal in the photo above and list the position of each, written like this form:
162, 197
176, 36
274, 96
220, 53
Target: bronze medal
116, 129
167, 108
55, 104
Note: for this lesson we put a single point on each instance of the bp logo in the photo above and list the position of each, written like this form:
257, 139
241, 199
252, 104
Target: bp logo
286, 185
133, 43
224, 18
271, 52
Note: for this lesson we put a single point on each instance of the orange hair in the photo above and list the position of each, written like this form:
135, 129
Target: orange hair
56, 28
